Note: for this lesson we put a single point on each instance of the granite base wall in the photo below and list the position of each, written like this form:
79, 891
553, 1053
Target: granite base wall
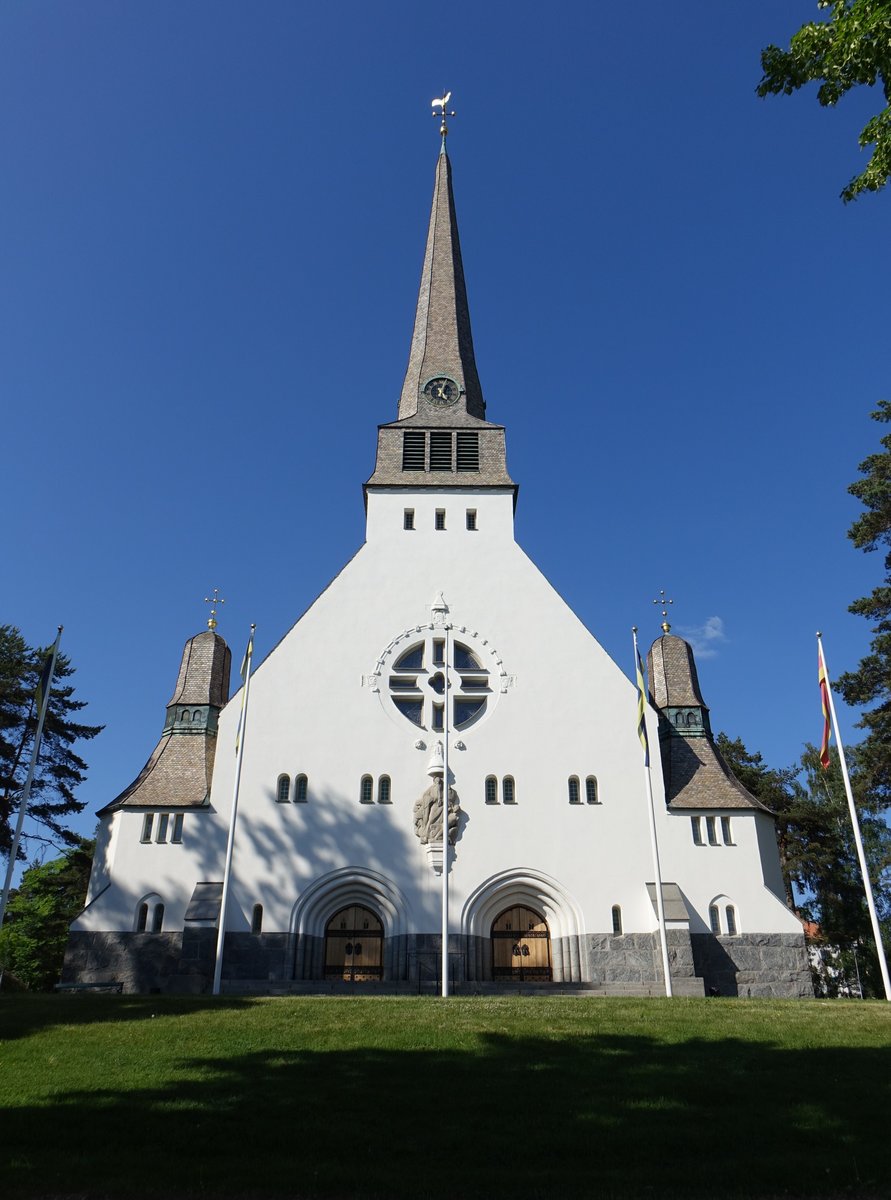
773, 965
754, 964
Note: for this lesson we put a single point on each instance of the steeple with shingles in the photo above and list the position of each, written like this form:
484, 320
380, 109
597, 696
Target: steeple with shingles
441, 437
442, 343
179, 771
696, 776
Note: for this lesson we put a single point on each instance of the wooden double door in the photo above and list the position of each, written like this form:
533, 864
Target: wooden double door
521, 946
354, 946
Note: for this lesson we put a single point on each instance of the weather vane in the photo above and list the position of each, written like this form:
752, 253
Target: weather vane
213, 601
442, 105
666, 628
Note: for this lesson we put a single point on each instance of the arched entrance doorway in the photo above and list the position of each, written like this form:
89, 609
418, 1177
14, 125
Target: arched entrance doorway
521, 946
354, 945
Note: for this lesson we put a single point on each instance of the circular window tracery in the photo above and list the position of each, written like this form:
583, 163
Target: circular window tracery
414, 678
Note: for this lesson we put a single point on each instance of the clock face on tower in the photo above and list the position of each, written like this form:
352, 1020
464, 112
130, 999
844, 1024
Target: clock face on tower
442, 391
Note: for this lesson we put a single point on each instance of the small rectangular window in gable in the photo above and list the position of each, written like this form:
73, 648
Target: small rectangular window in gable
712, 831
471, 518
726, 831
468, 451
177, 835
408, 518
147, 822
413, 448
696, 823
440, 518
440, 450
163, 822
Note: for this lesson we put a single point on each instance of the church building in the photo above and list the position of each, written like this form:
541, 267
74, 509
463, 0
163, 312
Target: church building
439, 629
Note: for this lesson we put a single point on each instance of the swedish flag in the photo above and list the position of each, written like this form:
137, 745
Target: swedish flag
41, 696
642, 710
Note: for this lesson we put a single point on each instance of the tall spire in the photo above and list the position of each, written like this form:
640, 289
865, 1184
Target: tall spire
442, 344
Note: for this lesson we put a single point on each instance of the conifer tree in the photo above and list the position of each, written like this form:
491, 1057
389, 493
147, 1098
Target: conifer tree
59, 768
870, 684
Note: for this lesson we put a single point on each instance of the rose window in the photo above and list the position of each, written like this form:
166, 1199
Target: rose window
417, 682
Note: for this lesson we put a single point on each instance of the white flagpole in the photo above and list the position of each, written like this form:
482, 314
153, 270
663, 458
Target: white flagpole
445, 820
657, 870
26, 790
858, 841
227, 872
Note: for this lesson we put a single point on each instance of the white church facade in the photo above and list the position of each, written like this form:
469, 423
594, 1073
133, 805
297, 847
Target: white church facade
336, 869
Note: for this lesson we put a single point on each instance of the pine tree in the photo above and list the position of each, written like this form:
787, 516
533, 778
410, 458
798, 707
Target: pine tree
59, 769
870, 684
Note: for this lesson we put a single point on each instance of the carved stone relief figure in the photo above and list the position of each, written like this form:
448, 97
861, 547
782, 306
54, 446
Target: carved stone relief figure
428, 814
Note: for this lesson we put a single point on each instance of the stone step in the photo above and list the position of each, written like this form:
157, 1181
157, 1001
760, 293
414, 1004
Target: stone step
293, 987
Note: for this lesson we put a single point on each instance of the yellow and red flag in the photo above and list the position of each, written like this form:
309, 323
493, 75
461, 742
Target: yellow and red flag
824, 700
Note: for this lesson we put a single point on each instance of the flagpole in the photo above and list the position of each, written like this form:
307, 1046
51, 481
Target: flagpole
227, 871
43, 701
657, 870
445, 820
858, 841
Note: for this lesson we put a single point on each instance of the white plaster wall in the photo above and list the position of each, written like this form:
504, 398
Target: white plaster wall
735, 872
167, 869
569, 711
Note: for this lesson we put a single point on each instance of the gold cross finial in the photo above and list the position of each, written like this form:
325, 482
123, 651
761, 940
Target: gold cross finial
441, 103
213, 601
666, 628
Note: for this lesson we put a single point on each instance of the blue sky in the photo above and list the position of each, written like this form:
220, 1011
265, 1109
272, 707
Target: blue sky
213, 218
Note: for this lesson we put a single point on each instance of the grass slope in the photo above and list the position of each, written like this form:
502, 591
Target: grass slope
470, 1097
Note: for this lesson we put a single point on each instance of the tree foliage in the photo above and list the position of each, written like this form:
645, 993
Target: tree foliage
35, 932
59, 769
817, 851
850, 49
870, 684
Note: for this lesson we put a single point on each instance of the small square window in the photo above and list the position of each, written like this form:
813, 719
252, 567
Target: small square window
408, 518
471, 518
440, 518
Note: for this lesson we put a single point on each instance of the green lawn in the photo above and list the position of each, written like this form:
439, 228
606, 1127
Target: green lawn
467, 1097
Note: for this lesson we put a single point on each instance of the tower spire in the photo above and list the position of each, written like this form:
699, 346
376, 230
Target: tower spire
441, 356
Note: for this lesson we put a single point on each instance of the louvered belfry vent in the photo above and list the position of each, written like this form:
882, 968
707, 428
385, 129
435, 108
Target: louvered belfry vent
413, 450
440, 451
468, 451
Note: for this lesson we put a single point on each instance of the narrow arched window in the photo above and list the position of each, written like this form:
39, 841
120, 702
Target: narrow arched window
257, 919
491, 790
366, 790
383, 790
617, 919
508, 795
283, 790
714, 918
574, 796
141, 918
730, 913
591, 790
300, 786
157, 918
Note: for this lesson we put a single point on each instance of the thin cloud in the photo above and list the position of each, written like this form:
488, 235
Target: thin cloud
705, 639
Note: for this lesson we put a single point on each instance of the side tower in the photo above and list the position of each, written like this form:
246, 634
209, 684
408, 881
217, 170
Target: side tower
746, 941
157, 840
